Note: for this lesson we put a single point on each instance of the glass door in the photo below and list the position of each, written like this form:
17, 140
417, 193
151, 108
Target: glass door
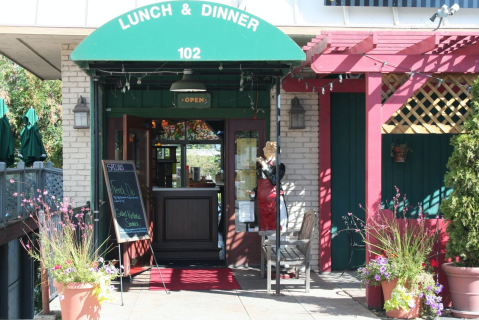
245, 142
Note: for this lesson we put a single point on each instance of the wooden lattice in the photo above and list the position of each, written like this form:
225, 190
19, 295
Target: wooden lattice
432, 108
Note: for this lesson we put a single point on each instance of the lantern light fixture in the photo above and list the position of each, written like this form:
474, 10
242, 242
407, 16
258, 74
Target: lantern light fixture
81, 115
296, 115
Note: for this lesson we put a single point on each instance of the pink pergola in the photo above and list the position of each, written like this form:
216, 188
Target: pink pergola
373, 54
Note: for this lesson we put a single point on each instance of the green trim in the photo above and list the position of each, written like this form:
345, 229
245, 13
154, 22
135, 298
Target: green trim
92, 162
215, 113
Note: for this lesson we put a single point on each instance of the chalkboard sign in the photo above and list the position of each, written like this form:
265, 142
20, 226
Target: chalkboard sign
126, 202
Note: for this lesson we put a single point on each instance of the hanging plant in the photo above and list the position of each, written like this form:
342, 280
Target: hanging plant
399, 151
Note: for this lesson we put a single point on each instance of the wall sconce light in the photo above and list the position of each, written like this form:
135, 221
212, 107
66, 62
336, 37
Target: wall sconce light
296, 115
81, 115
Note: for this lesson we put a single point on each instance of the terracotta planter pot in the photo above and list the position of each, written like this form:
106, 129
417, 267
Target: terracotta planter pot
388, 287
78, 302
464, 290
399, 155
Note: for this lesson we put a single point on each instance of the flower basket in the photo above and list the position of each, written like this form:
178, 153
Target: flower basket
399, 155
399, 151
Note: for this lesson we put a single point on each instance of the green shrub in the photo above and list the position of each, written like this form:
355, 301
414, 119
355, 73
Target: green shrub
461, 208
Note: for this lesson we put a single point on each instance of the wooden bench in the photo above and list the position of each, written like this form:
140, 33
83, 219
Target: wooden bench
293, 252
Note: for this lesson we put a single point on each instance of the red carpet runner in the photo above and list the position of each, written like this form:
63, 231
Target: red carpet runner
194, 279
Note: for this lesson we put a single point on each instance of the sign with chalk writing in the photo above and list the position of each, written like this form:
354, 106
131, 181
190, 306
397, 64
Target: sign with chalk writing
126, 203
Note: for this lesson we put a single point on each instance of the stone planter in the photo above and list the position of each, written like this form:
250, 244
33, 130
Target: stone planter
464, 290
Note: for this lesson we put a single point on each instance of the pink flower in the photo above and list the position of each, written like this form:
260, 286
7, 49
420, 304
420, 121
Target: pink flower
15, 194
45, 192
61, 297
349, 213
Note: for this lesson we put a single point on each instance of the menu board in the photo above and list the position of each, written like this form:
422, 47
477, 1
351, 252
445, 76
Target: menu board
126, 203
246, 149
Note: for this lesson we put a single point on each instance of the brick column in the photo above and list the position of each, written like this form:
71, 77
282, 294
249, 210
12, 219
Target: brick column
76, 142
299, 153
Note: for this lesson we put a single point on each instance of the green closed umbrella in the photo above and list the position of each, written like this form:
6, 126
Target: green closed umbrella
7, 146
31, 148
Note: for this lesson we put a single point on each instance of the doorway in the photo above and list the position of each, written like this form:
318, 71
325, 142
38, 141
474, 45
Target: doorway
218, 236
347, 171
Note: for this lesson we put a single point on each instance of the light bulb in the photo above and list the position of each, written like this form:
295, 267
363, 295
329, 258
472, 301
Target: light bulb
322, 90
331, 86
139, 81
340, 79
220, 67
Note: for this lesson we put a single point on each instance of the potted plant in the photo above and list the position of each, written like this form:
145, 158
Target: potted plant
403, 264
461, 210
63, 244
399, 151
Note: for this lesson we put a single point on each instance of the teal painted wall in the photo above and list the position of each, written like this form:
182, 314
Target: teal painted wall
421, 177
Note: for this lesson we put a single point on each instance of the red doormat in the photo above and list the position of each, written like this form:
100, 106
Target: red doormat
194, 279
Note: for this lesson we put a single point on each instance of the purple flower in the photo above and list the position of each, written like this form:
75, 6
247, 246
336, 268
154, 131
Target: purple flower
100, 259
382, 269
386, 275
428, 287
91, 269
441, 306
61, 297
377, 277
439, 289
421, 295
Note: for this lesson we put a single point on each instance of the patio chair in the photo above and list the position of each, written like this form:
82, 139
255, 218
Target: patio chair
293, 252
352, 244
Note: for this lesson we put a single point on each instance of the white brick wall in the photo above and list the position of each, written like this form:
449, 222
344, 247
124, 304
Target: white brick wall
76, 142
300, 155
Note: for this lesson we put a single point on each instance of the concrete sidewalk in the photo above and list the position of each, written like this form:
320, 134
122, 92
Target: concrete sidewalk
325, 301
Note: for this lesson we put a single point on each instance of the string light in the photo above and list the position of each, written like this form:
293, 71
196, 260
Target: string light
306, 85
220, 67
412, 72
439, 83
314, 88
340, 79
322, 90
331, 86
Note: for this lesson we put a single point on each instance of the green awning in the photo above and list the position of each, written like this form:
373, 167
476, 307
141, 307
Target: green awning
188, 31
